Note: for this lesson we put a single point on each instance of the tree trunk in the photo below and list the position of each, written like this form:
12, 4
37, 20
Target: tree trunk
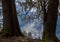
10, 21
50, 20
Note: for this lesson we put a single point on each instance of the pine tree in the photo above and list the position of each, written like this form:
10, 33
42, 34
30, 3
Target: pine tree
50, 20
10, 21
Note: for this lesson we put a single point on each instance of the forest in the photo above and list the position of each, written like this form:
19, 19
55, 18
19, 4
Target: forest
29, 20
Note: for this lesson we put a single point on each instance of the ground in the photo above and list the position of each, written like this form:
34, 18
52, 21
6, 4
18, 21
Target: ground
18, 39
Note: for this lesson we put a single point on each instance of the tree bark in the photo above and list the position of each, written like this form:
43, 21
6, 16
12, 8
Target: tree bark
10, 21
50, 20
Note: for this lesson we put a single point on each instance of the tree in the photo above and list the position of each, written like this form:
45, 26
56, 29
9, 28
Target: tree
10, 21
50, 20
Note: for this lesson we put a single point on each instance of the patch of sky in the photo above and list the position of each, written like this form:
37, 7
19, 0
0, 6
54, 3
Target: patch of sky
32, 24
33, 9
21, 1
58, 25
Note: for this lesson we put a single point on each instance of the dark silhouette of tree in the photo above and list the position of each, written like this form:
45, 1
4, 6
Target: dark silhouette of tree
10, 21
50, 20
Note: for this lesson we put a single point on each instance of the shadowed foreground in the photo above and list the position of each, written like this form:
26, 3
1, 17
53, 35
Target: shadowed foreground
18, 39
